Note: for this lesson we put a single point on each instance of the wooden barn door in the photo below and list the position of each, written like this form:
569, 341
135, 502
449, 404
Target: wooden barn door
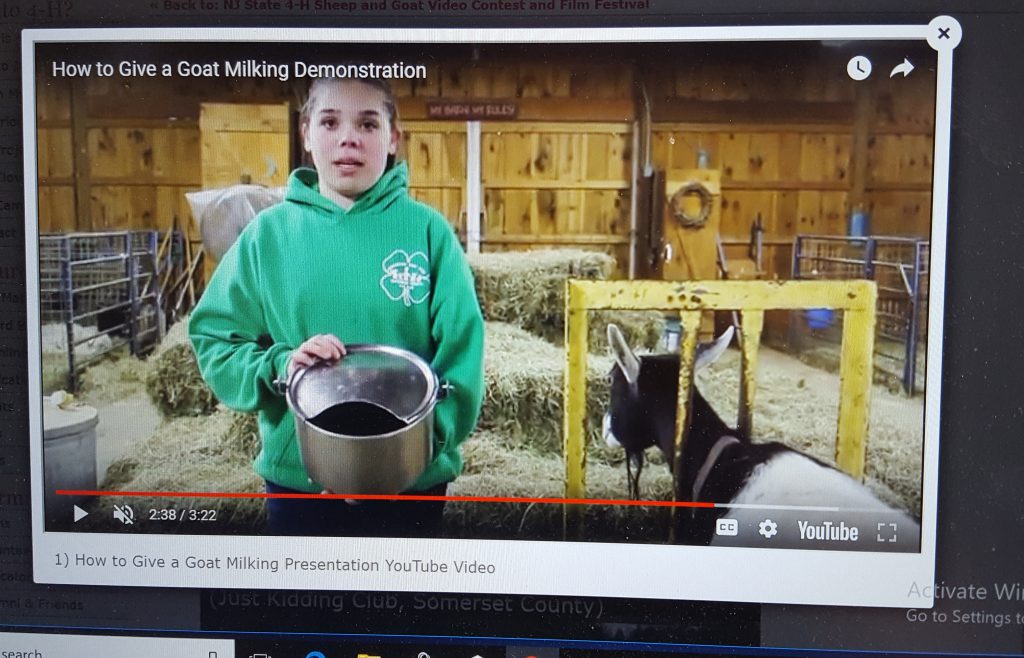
241, 143
691, 251
548, 184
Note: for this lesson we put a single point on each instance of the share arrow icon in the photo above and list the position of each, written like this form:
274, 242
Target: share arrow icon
905, 68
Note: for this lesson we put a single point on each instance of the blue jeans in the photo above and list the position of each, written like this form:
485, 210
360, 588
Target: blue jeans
368, 518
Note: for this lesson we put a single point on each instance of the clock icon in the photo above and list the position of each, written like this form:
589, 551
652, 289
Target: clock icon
859, 67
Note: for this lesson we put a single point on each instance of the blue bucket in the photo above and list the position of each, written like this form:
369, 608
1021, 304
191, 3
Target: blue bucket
859, 225
819, 318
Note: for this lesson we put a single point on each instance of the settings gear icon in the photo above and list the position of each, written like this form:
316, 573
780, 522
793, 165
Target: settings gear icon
768, 528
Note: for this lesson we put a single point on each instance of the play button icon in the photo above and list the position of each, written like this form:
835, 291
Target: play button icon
79, 513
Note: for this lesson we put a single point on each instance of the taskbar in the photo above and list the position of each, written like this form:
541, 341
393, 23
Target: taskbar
36, 642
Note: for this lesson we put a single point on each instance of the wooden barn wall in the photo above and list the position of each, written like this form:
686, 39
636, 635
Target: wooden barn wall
556, 184
141, 155
557, 176
56, 165
800, 146
109, 161
796, 143
899, 154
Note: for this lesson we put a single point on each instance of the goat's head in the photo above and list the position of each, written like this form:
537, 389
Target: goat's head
644, 391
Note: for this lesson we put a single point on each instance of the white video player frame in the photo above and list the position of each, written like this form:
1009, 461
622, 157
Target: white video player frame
521, 567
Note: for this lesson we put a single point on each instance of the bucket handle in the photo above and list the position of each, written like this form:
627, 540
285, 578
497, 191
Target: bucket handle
282, 383
444, 389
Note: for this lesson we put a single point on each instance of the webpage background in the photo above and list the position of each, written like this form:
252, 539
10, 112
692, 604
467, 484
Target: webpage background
980, 466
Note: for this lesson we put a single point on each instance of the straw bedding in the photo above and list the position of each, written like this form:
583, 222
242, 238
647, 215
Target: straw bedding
495, 469
517, 449
795, 404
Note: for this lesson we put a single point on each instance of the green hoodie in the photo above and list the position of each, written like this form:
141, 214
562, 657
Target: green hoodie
387, 271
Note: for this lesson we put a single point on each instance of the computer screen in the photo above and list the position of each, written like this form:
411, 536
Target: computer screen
509, 328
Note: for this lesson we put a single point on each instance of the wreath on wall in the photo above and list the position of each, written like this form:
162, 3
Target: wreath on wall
677, 204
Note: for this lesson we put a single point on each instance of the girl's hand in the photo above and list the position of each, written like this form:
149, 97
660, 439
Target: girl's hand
322, 347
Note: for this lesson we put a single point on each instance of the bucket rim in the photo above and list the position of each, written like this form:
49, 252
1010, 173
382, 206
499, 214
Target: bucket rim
425, 406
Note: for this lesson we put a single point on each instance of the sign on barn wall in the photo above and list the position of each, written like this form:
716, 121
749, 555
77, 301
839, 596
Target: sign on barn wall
472, 110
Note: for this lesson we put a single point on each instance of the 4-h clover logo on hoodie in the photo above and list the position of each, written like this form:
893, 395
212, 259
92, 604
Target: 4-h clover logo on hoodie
406, 277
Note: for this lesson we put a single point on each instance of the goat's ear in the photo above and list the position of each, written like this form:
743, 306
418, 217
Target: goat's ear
708, 353
628, 363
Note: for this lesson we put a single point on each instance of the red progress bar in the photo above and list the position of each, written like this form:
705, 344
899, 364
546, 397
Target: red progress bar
461, 499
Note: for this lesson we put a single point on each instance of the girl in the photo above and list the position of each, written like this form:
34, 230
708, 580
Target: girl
348, 257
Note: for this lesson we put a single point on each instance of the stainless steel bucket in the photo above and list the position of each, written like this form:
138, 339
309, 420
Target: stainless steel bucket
390, 378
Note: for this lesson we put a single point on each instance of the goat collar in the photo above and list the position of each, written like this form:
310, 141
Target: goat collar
709, 463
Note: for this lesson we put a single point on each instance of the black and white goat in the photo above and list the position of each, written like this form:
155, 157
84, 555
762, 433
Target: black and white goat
720, 464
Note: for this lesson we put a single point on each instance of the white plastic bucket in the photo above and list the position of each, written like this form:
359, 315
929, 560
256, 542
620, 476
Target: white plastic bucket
69, 455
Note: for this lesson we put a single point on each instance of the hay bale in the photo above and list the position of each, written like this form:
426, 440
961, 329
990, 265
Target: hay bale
207, 454
242, 435
523, 388
527, 289
176, 386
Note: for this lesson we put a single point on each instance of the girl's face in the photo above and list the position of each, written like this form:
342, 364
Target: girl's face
350, 138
